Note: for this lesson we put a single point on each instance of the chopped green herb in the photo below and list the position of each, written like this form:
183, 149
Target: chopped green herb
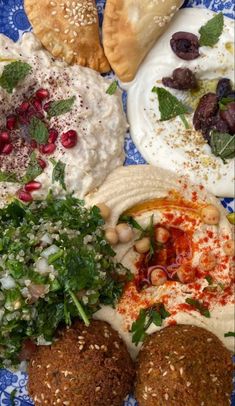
12, 397
229, 334
199, 306
223, 145
184, 121
33, 169
224, 102
211, 31
130, 220
155, 314
231, 218
8, 177
60, 107
209, 280
169, 105
58, 173
86, 275
14, 73
38, 130
112, 88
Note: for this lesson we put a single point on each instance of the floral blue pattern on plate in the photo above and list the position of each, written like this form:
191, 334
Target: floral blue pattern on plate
13, 23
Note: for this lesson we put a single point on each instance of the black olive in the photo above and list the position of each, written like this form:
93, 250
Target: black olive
223, 88
206, 112
182, 79
185, 45
228, 115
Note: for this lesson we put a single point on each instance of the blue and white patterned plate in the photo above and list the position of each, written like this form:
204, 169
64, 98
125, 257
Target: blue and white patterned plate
13, 23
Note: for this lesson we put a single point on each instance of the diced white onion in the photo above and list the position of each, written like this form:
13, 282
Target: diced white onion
42, 266
46, 239
49, 251
7, 282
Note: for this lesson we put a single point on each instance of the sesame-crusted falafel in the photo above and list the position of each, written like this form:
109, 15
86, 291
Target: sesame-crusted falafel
186, 366
84, 366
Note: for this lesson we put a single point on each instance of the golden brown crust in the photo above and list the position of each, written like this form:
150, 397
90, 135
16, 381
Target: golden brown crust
131, 28
69, 30
184, 365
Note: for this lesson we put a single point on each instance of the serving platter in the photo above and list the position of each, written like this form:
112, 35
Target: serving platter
13, 23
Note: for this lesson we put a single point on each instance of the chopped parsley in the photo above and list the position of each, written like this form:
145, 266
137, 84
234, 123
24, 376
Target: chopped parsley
155, 315
229, 334
199, 306
112, 88
55, 265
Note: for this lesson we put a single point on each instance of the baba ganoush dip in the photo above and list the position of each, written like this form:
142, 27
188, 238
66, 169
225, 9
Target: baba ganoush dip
190, 272
59, 128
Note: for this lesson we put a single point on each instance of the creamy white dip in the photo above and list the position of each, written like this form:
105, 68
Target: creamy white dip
97, 117
128, 186
168, 144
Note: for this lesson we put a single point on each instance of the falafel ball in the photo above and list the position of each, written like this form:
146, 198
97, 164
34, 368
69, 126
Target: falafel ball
186, 366
84, 366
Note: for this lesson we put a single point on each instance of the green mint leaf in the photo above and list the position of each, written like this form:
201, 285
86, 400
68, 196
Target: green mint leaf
8, 177
223, 145
231, 218
58, 173
13, 73
164, 313
229, 334
33, 169
211, 31
60, 107
169, 105
199, 306
209, 280
112, 88
38, 130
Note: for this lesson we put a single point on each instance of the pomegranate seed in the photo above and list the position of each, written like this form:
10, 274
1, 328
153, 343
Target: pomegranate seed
33, 144
24, 196
7, 149
48, 149
47, 106
42, 94
24, 107
37, 105
69, 139
4, 137
11, 122
32, 186
42, 163
53, 135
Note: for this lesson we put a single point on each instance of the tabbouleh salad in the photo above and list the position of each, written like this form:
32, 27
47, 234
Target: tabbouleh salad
55, 264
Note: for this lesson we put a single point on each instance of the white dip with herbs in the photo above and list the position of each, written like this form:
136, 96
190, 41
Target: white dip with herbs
96, 117
168, 144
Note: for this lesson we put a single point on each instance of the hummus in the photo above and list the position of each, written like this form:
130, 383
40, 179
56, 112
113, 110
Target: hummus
145, 191
96, 116
168, 144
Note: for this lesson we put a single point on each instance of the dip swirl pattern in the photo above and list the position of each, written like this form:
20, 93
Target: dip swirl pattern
13, 23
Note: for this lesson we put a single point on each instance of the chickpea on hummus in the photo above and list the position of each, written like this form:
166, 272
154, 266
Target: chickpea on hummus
177, 242
59, 127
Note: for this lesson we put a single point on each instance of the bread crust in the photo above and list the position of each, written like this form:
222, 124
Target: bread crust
130, 29
69, 31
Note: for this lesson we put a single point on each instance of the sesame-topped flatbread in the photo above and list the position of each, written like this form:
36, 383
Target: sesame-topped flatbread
130, 29
69, 30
